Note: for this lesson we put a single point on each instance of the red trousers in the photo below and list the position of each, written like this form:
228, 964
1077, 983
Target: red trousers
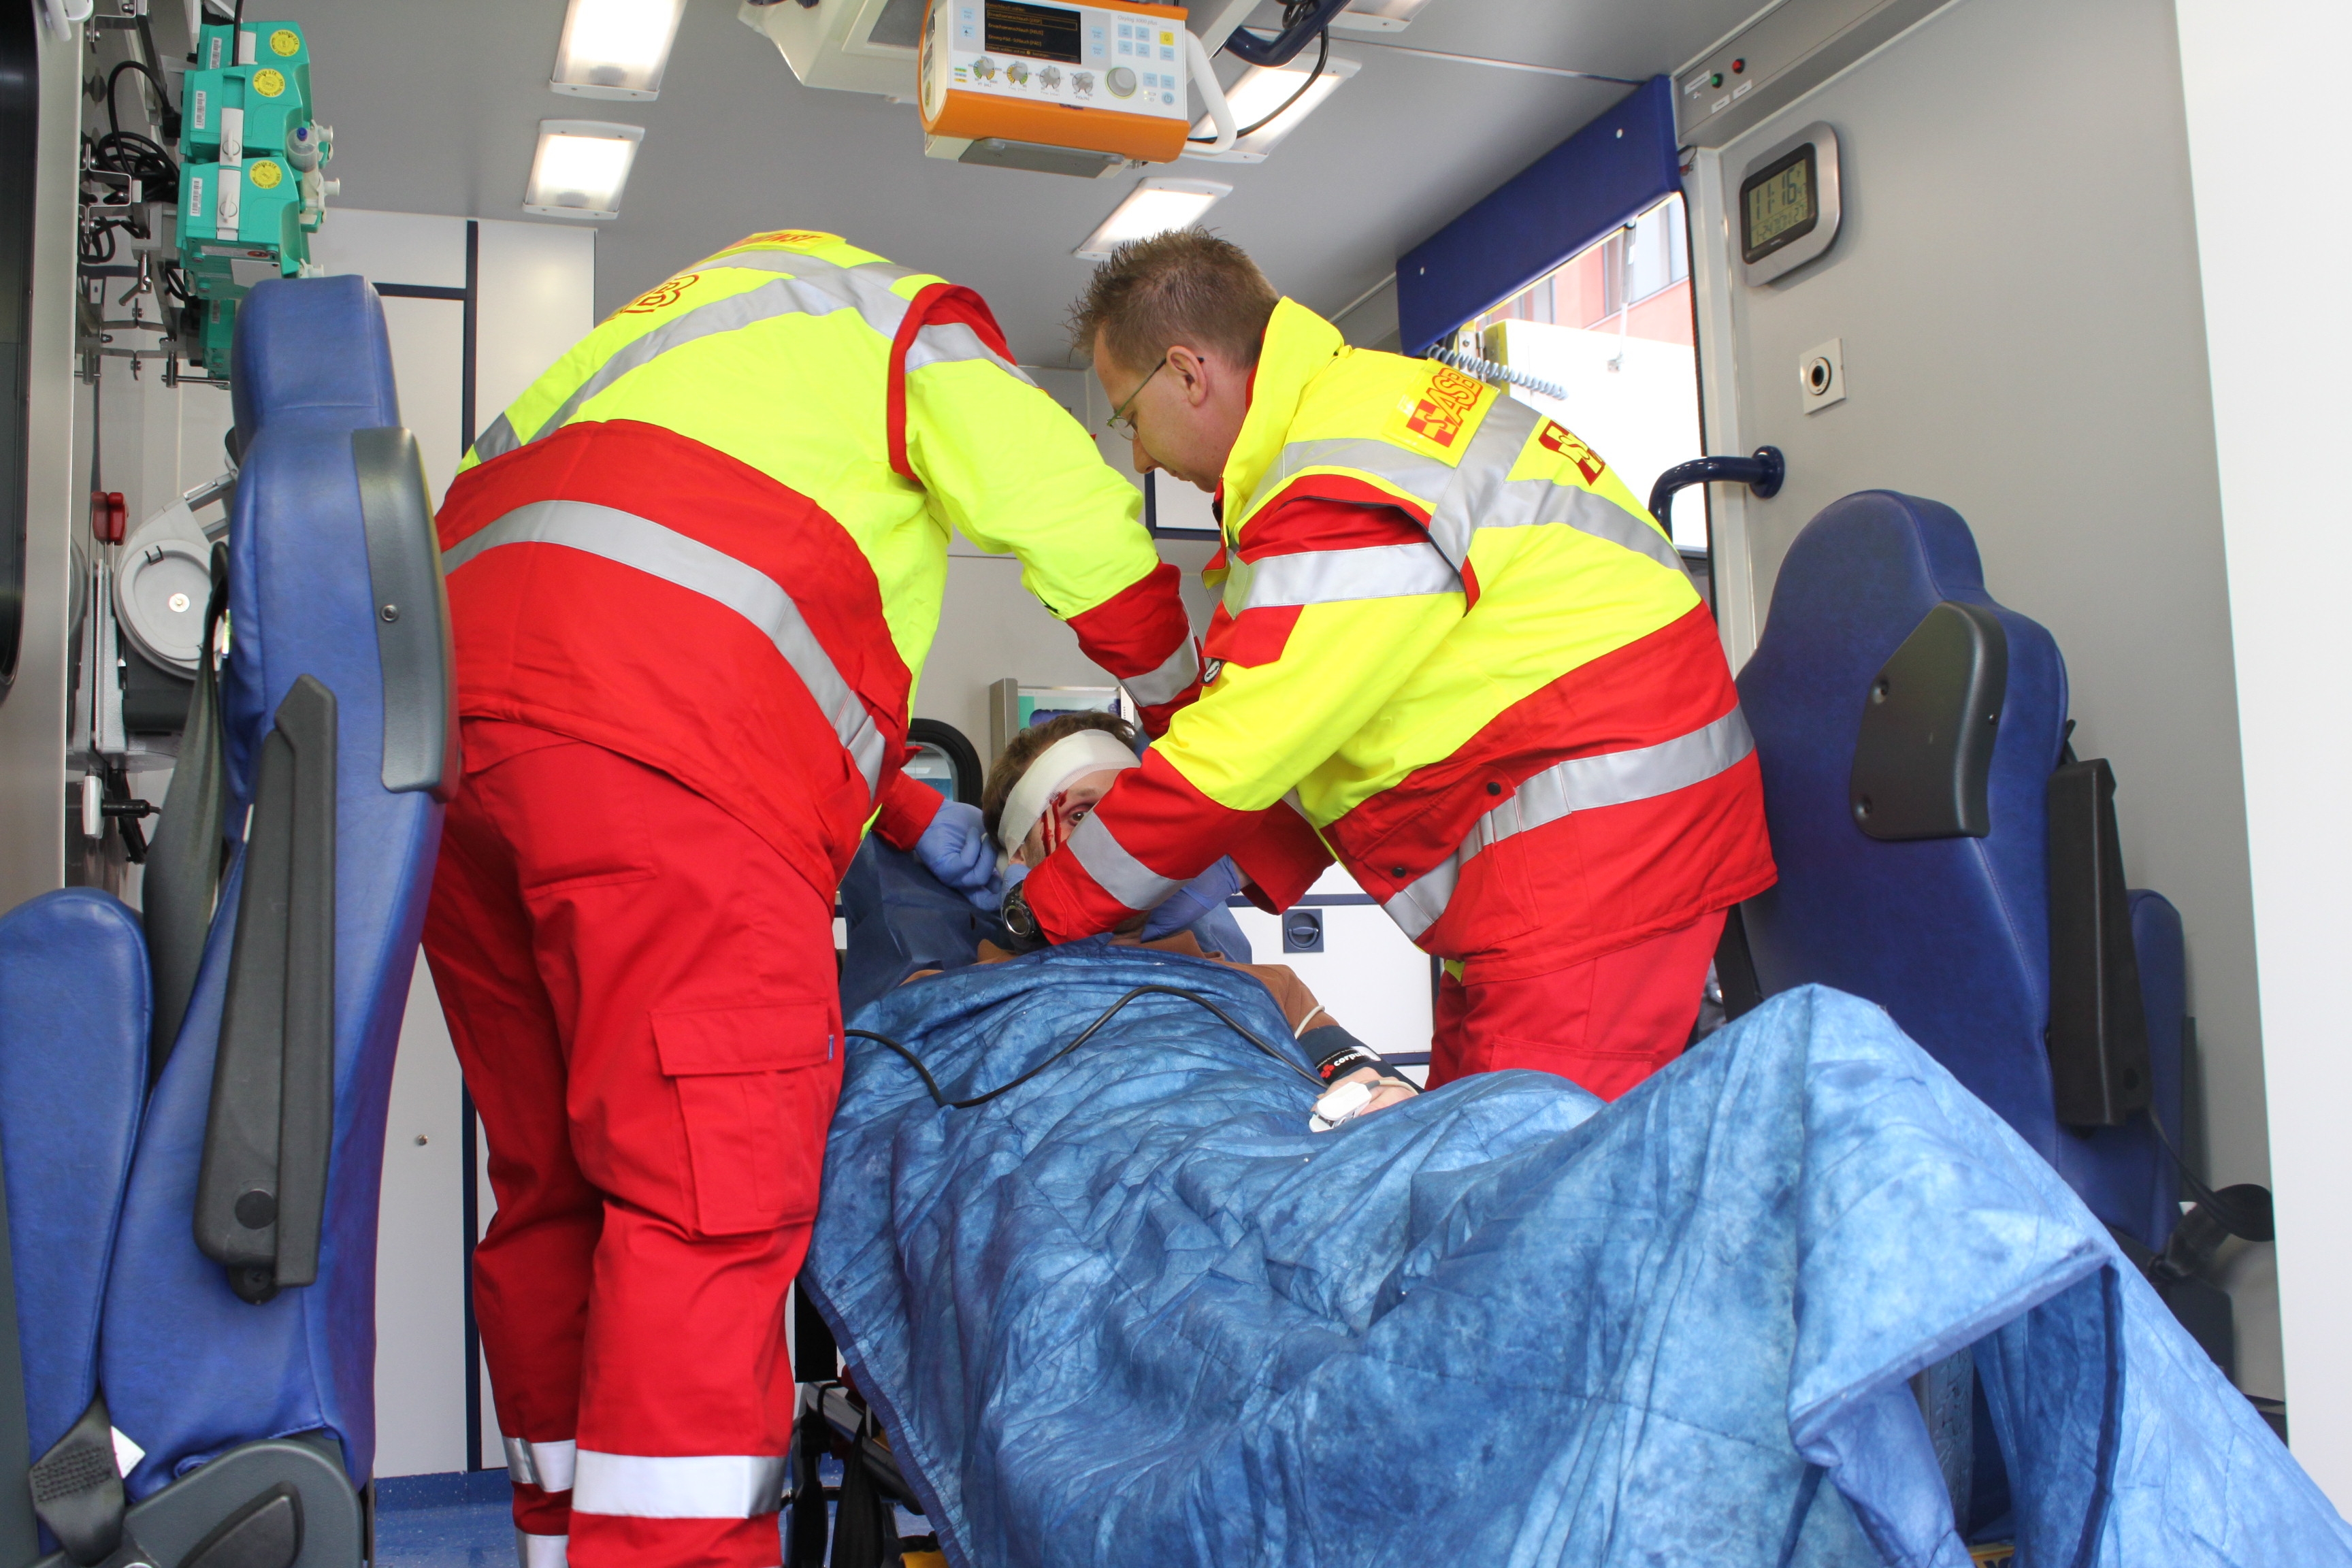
1607, 1024
643, 996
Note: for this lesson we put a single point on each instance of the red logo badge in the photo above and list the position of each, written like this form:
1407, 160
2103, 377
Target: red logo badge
666, 294
1554, 438
1439, 415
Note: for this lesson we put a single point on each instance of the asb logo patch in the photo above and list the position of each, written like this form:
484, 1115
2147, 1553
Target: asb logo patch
1554, 438
666, 294
1439, 414
800, 238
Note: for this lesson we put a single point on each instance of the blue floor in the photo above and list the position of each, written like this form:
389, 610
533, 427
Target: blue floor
466, 1521
469, 1535
455, 1520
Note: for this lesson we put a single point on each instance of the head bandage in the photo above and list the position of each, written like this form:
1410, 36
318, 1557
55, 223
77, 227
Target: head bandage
1072, 757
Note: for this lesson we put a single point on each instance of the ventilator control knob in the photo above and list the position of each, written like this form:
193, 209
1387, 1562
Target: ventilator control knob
984, 69
1050, 80
1082, 84
1017, 74
1121, 83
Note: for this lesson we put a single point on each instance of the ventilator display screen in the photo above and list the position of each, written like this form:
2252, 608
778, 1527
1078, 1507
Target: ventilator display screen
1038, 32
1779, 204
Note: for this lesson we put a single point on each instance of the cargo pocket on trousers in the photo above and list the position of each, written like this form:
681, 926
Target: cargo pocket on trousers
755, 1087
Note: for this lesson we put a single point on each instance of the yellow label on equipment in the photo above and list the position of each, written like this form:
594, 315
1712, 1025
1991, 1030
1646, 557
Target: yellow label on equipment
268, 83
285, 41
265, 175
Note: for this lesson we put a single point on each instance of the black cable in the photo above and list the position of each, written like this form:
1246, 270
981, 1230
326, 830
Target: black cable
2236, 1220
939, 1099
1322, 55
162, 91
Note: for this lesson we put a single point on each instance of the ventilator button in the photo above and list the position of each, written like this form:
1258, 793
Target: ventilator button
1121, 83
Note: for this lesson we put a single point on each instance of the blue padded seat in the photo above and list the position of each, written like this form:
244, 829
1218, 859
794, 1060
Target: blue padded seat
189, 1370
73, 1073
1951, 936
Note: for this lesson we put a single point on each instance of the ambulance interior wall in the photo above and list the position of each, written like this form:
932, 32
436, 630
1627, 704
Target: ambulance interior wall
2270, 246
2016, 285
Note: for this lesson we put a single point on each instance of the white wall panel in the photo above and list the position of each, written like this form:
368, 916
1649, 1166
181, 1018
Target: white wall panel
2272, 244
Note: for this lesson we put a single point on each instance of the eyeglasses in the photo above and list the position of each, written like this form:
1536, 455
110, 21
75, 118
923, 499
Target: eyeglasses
1119, 420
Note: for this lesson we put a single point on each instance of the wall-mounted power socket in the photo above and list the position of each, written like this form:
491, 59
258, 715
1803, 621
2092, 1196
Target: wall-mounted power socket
1821, 375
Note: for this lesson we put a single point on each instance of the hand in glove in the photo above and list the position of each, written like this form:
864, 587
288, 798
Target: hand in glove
955, 849
1207, 891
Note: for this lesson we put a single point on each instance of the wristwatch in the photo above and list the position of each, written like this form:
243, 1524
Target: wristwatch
1020, 921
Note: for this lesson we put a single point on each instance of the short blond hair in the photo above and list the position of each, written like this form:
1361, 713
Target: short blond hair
1187, 287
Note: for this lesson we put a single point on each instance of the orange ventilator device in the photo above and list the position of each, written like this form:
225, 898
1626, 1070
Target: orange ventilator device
1072, 88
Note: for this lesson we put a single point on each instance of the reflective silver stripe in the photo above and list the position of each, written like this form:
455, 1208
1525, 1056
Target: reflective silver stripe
1581, 784
952, 340
700, 1486
1425, 477
1331, 576
867, 295
1168, 682
1482, 497
1116, 871
664, 552
1480, 493
547, 1464
496, 441
542, 1550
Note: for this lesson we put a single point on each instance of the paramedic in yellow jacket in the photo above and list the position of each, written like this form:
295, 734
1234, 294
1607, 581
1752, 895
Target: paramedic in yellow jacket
693, 572
1453, 651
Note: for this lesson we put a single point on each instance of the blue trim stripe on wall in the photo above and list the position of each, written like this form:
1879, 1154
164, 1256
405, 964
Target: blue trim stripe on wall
1612, 170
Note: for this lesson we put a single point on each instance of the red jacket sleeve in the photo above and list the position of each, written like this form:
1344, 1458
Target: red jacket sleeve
907, 808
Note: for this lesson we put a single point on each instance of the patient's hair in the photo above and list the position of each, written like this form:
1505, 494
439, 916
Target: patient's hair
1025, 747
1186, 287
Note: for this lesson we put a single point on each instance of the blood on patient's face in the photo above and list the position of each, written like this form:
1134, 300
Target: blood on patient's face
1065, 812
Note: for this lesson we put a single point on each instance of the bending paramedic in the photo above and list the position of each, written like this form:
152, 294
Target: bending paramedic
1453, 651
692, 571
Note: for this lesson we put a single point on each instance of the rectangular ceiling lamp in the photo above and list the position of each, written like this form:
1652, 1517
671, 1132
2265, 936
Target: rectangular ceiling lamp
1154, 206
615, 49
1264, 89
581, 167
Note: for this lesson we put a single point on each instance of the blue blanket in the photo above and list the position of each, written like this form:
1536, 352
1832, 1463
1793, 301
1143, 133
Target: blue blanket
1133, 1311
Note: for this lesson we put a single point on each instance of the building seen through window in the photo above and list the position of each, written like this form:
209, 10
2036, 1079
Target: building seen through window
1613, 325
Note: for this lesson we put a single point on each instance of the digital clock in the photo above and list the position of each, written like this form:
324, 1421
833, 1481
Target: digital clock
1788, 205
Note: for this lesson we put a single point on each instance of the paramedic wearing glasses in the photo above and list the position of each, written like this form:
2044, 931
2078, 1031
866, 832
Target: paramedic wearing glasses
692, 571
1453, 649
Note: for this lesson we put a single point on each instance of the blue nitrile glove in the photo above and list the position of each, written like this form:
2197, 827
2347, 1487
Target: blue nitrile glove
990, 899
1207, 891
955, 849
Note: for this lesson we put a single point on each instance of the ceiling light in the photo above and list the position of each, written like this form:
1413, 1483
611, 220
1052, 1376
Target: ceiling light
1154, 206
615, 49
1264, 89
580, 168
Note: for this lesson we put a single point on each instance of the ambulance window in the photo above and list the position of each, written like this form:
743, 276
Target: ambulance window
1613, 326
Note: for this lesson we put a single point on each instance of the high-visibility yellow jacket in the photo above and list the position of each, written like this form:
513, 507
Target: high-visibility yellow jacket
713, 536
1462, 653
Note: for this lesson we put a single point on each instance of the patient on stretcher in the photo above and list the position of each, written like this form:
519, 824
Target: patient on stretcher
1045, 784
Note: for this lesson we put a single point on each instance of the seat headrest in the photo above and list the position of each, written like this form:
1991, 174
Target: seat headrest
312, 345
